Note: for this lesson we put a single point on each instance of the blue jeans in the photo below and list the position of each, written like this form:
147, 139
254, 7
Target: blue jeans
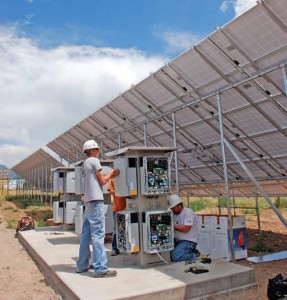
183, 251
93, 229
114, 241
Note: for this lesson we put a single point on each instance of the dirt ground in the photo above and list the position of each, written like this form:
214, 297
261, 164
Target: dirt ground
21, 279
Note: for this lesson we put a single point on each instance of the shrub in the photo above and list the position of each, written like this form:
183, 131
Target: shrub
41, 223
12, 224
9, 208
261, 247
24, 203
281, 202
9, 198
47, 215
198, 205
34, 209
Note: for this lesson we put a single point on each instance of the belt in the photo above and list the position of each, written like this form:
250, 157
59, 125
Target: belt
92, 201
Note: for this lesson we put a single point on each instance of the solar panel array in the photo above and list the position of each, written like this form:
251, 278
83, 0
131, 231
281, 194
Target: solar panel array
244, 64
36, 169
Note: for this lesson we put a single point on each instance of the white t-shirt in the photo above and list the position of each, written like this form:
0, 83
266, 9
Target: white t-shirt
187, 218
93, 190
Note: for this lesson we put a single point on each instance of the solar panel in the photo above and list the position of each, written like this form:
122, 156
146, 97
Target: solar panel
36, 169
242, 63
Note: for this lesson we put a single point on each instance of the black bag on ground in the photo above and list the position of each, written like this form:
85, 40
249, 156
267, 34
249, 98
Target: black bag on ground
26, 223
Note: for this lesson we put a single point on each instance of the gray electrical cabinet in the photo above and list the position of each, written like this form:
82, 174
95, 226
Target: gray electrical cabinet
145, 228
126, 182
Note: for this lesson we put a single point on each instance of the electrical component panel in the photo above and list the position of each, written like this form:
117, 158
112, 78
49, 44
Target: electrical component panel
79, 218
126, 181
69, 211
127, 231
106, 170
78, 181
158, 234
109, 221
58, 182
58, 212
70, 182
155, 175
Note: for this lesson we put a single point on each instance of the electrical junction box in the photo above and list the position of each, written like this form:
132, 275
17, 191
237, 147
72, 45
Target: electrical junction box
78, 181
70, 182
127, 231
126, 181
158, 232
106, 170
204, 234
58, 212
58, 182
64, 180
109, 221
70, 207
220, 239
155, 175
214, 240
79, 218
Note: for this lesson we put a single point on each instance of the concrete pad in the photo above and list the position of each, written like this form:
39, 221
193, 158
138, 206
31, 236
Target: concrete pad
56, 251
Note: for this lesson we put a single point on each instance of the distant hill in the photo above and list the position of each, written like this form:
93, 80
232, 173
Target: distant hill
13, 175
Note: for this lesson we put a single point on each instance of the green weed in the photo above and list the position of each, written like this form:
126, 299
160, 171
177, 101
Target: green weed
47, 215
197, 205
260, 247
12, 224
41, 223
9, 208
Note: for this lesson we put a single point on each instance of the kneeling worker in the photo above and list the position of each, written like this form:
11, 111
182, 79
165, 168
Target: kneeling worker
185, 230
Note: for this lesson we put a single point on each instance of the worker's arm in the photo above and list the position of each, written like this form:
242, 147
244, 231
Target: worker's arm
182, 228
103, 179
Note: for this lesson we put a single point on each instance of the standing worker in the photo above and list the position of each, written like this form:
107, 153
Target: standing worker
119, 204
93, 228
185, 230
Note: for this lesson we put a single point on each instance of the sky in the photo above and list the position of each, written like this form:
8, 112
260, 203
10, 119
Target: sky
61, 60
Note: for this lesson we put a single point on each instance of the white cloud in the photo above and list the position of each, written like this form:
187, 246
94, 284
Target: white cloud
179, 41
176, 41
44, 92
239, 6
242, 5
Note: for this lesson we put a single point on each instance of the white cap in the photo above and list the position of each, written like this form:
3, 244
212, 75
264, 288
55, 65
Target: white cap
90, 144
173, 200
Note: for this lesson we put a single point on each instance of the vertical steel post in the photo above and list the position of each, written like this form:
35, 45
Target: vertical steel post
225, 175
46, 181
119, 141
145, 135
284, 78
175, 153
219, 199
257, 211
102, 153
52, 183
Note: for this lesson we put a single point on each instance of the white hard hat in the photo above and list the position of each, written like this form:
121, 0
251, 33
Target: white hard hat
90, 144
173, 200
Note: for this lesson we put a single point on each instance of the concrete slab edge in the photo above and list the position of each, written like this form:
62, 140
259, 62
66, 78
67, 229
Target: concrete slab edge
53, 279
